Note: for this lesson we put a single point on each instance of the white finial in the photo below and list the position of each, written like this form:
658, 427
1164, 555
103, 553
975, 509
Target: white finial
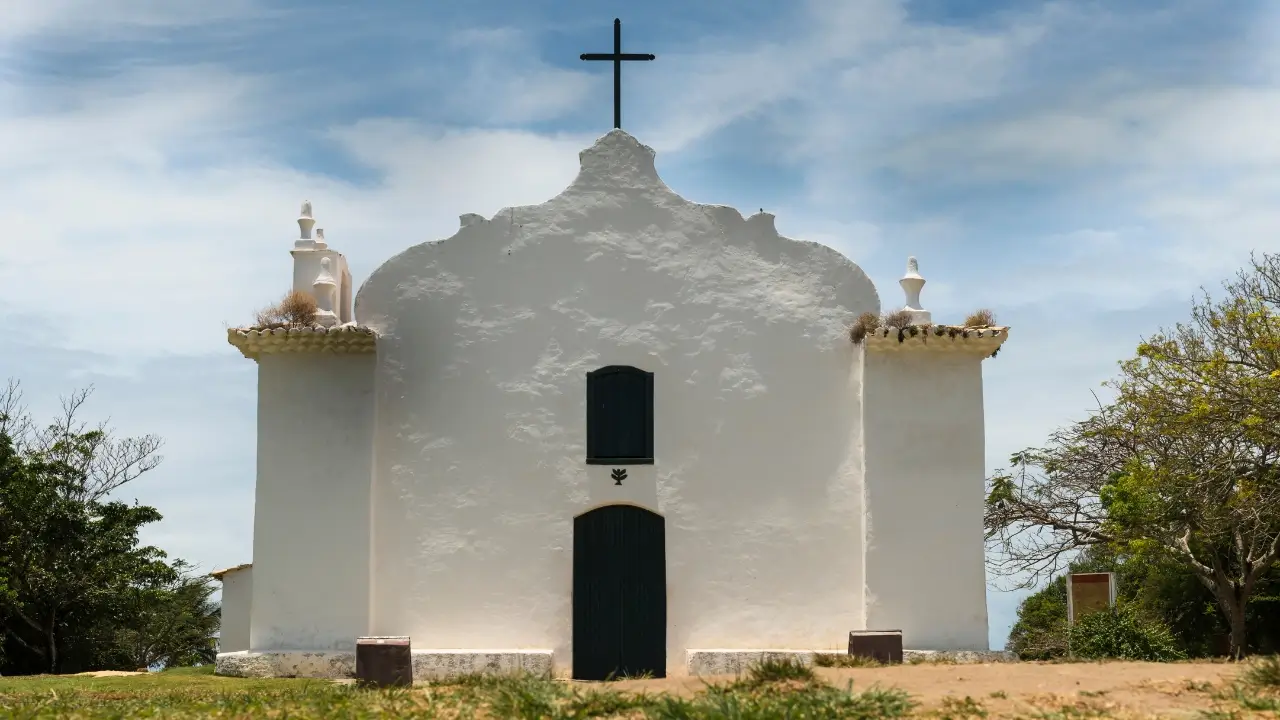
320, 243
324, 288
911, 284
305, 223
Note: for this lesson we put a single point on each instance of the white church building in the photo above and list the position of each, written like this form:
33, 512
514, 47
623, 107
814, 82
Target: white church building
617, 432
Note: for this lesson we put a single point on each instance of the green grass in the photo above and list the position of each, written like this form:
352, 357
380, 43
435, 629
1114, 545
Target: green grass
779, 671
1257, 690
836, 660
1264, 673
769, 690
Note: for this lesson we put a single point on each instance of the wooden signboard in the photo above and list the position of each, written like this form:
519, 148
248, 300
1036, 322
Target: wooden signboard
1089, 593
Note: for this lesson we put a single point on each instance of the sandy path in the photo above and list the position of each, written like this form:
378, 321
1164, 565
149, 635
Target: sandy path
1174, 689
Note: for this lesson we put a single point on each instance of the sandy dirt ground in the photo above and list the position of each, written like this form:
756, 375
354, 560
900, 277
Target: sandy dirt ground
1001, 689
109, 673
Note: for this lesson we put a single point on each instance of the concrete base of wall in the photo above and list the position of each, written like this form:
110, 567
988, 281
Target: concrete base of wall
735, 662
960, 657
332, 664
446, 664
427, 664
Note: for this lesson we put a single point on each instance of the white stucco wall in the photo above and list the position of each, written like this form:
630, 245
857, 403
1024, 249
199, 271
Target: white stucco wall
237, 598
485, 342
311, 518
925, 471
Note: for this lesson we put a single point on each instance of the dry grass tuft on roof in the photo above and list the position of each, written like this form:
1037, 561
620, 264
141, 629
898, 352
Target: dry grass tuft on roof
865, 323
869, 322
977, 324
296, 309
897, 319
980, 318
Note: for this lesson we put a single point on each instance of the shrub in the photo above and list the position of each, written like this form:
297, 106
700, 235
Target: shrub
897, 319
1041, 630
296, 308
980, 318
1121, 634
863, 326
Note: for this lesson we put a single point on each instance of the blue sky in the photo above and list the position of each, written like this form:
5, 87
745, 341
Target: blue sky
1079, 167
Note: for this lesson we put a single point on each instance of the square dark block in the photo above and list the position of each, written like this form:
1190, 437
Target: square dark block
881, 645
384, 662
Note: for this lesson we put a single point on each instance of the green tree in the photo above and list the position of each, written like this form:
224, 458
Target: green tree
1184, 463
80, 587
173, 621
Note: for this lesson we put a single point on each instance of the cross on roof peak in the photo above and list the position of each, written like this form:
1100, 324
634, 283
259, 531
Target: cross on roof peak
617, 57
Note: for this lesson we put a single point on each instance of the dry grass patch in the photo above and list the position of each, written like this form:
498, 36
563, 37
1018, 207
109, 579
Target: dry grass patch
838, 660
1256, 692
897, 319
862, 327
1263, 673
980, 318
868, 323
295, 309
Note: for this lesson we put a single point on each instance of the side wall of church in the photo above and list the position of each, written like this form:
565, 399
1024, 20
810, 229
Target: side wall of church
311, 525
925, 475
485, 340
236, 606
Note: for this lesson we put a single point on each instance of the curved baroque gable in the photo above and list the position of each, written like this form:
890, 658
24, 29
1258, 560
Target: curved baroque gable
618, 207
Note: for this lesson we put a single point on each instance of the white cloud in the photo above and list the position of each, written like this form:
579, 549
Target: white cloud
92, 19
140, 216
505, 81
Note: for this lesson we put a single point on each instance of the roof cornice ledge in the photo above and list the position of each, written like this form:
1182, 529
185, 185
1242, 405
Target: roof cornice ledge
219, 574
937, 338
255, 342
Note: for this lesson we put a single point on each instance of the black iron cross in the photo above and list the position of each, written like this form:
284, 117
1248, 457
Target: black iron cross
617, 56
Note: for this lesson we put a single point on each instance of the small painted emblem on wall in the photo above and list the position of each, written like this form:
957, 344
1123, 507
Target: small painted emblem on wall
618, 475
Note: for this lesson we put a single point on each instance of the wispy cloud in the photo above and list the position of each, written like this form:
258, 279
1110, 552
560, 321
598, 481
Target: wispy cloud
88, 20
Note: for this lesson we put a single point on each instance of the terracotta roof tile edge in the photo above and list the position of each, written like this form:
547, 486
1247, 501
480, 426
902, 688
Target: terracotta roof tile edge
253, 342
217, 574
944, 338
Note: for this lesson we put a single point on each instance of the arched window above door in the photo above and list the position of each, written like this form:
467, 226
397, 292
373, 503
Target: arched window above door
619, 416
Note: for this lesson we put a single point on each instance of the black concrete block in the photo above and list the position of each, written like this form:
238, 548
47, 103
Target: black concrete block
384, 662
881, 645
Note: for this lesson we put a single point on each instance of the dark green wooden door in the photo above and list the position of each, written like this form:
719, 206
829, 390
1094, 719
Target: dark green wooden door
619, 593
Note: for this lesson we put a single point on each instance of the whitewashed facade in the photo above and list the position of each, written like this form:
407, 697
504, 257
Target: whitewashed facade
421, 462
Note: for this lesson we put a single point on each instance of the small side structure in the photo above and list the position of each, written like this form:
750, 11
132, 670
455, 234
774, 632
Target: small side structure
925, 477
309, 597
237, 594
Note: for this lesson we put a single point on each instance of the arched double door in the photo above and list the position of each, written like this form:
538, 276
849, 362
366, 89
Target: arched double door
619, 593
